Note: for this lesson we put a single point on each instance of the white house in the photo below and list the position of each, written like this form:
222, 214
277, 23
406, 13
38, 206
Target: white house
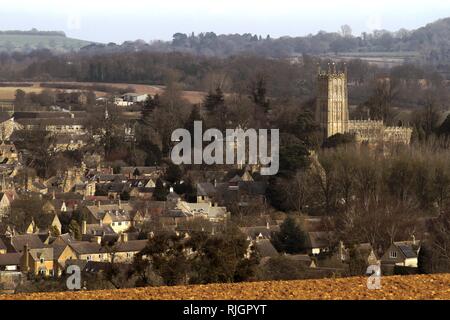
134, 97
402, 253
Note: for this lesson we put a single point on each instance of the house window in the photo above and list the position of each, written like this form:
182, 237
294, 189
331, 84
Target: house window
88, 258
120, 223
42, 260
393, 254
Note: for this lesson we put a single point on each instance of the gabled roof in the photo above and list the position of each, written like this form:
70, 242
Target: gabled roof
110, 177
177, 214
253, 187
39, 185
16, 243
58, 250
407, 249
255, 231
95, 266
118, 216
2, 245
206, 189
130, 246
10, 259
99, 230
43, 253
98, 212
319, 239
64, 238
84, 247
138, 183
265, 248
142, 170
236, 179
299, 257
173, 196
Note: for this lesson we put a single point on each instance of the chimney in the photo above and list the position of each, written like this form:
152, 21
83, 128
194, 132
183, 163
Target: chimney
124, 237
120, 204
414, 239
267, 225
101, 223
98, 204
83, 227
26, 266
215, 183
97, 239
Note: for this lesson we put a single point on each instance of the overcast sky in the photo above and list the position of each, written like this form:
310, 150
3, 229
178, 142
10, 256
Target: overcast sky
119, 20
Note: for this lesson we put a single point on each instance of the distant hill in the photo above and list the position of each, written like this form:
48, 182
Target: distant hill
26, 41
430, 44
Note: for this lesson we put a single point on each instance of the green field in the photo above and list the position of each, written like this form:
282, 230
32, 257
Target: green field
25, 42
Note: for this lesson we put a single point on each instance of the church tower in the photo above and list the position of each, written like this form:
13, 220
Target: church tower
332, 102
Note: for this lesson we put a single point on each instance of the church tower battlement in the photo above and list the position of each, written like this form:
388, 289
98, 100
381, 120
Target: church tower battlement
332, 101
332, 113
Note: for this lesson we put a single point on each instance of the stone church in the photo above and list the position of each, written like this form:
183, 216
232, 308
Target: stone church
333, 116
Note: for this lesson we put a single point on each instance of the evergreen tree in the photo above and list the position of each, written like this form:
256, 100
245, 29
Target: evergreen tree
160, 192
339, 139
357, 265
168, 258
214, 100
258, 92
276, 194
294, 155
425, 259
194, 116
125, 196
149, 106
20, 98
306, 129
173, 173
75, 230
291, 238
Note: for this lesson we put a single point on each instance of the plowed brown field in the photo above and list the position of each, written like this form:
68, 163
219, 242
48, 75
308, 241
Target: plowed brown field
397, 287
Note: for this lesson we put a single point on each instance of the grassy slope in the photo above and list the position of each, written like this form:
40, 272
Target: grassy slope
397, 287
28, 42
8, 93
